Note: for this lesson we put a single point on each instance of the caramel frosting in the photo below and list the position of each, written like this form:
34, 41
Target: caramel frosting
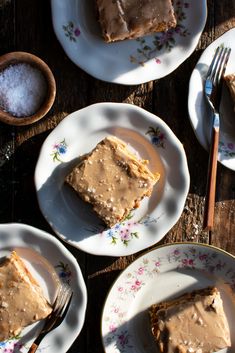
21, 298
121, 19
193, 323
230, 82
112, 179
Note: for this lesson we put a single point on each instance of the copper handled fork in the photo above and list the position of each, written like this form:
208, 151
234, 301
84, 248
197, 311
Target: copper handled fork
212, 91
60, 308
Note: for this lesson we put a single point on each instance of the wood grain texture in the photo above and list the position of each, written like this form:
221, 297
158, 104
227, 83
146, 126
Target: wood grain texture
27, 26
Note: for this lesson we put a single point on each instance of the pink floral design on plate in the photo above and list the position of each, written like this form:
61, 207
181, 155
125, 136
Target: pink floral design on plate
127, 230
164, 40
58, 150
117, 335
11, 346
227, 149
71, 31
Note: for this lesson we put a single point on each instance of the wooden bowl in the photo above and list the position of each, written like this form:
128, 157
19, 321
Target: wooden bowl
35, 62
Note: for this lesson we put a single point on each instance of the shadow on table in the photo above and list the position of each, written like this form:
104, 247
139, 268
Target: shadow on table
18, 196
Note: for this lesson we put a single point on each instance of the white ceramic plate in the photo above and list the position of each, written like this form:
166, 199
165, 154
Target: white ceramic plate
159, 275
78, 134
199, 112
130, 61
47, 259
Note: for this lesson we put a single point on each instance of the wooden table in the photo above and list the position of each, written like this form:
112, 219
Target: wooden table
26, 25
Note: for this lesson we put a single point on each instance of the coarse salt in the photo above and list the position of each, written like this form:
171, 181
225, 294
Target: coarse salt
22, 89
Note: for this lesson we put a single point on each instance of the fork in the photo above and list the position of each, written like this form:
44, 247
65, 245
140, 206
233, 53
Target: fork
60, 309
212, 91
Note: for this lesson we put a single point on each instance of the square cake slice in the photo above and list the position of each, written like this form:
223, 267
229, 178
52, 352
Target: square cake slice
21, 298
193, 322
112, 180
128, 19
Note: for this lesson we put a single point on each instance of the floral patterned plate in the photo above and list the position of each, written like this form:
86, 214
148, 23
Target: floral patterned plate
130, 61
78, 134
199, 112
163, 273
49, 262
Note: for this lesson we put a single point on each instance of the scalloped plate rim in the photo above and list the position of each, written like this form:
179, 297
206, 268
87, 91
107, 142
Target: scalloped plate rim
133, 75
45, 167
16, 239
119, 296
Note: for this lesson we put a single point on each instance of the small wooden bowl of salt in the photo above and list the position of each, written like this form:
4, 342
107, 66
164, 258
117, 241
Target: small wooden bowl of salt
27, 88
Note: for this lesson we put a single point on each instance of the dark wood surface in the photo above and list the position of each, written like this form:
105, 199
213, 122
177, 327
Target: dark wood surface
26, 25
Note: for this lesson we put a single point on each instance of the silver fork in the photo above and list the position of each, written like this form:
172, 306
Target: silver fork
60, 309
212, 90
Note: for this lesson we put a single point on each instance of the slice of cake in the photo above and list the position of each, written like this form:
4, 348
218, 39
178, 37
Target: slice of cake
21, 298
230, 82
194, 322
112, 180
126, 19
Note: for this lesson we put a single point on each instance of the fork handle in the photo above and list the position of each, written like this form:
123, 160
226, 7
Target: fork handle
211, 181
33, 348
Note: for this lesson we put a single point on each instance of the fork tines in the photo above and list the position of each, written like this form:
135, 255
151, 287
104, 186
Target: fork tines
63, 297
218, 64
60, 308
